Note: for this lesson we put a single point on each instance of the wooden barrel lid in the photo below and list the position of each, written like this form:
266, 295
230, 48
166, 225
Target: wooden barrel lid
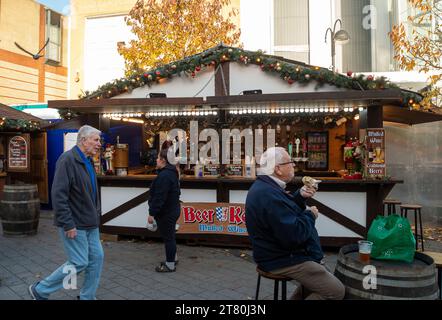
395, 280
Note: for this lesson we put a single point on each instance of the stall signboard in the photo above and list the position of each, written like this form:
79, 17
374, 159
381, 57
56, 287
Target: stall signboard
19, 153
212, 218
375, 153
234, 170
211, 170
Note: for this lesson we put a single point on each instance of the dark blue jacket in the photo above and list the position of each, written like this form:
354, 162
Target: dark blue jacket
281, 230
165, 193
75, 203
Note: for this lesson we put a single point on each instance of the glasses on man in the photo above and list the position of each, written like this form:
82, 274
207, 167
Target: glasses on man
289, 162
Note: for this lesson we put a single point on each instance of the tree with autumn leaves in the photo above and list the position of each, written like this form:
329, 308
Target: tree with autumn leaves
421, 47
170, 30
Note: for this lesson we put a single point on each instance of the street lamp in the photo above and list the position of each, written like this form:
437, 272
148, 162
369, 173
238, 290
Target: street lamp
341, 36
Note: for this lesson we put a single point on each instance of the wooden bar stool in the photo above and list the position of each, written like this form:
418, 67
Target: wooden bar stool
391, 206
275, 278
417, 223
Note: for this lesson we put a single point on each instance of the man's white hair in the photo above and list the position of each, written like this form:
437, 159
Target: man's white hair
85, 132
270, 158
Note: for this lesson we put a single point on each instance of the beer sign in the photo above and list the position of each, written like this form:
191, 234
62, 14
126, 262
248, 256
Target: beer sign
18, 153
375, 153
212, 218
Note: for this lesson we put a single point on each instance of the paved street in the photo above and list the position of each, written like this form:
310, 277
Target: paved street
202, 273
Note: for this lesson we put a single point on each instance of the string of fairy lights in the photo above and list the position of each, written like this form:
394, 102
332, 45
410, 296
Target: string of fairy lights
249, 111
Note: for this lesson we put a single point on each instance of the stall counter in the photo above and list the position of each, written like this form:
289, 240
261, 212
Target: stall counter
213, 208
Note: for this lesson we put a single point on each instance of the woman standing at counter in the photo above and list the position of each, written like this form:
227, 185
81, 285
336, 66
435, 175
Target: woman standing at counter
164, 206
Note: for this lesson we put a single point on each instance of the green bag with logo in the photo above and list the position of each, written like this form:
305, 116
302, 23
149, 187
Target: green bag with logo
392, 239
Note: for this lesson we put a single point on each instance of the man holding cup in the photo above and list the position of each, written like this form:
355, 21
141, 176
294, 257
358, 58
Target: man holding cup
282, 229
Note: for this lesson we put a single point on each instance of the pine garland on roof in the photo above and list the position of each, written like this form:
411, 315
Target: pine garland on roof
18, 125
288, 71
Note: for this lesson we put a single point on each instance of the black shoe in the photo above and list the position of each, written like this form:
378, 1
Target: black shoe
164, 268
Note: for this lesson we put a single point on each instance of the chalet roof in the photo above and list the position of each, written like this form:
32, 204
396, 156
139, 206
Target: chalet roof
12, 114
290, 71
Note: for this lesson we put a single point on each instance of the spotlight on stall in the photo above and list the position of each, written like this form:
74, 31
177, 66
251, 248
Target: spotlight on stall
157, 95
249, 92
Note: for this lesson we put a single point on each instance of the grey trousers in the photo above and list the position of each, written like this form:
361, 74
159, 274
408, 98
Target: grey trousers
315, 279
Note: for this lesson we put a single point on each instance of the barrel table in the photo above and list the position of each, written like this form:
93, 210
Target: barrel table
20, 210
386, 280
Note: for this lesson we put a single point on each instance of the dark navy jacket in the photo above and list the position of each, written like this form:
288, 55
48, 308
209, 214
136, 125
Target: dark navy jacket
281, 230
75, 203
165, 194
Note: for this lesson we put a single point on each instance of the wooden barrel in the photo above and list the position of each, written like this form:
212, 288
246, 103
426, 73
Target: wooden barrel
121, 156
395, 280
20, 210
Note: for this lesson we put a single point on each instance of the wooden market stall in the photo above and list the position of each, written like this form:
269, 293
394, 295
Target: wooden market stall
22, 150
324, 119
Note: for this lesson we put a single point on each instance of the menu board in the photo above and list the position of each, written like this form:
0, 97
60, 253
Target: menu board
18, 153
234, 170
317, 150
375, 149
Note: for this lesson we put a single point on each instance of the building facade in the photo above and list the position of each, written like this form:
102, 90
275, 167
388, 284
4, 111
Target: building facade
97, 26
23, 79
296, 30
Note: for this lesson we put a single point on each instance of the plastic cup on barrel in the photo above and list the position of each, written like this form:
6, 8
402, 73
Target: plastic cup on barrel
364, 250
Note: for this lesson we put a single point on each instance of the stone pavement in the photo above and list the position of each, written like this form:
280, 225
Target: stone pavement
203, 272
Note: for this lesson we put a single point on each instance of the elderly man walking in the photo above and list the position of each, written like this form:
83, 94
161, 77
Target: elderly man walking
77, 216
282, 229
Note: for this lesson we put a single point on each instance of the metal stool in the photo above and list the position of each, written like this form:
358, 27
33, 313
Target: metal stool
391, 206
417, 224
276, 278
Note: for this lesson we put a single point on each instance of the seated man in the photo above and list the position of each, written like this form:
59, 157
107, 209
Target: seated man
282, 231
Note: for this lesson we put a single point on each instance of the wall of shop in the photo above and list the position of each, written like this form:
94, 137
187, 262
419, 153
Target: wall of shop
414, 155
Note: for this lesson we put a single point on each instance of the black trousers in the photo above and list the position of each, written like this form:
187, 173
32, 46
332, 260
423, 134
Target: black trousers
166, 225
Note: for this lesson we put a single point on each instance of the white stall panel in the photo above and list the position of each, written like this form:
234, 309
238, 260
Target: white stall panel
329, 228
112, 197
350, 204
198, 195
237, 196
251, 77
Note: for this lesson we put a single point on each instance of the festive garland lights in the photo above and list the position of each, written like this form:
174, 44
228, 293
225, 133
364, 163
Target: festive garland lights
18, 125
288, 71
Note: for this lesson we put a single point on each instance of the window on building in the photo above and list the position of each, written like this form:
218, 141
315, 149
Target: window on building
291, 29
53, 32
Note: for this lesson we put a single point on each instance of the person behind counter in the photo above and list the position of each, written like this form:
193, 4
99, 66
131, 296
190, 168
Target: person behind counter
282, 230
164, 206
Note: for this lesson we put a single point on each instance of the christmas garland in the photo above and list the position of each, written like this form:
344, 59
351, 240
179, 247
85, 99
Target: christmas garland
288, 71
18, 125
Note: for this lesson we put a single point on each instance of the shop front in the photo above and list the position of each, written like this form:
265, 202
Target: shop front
22, 150
332, 131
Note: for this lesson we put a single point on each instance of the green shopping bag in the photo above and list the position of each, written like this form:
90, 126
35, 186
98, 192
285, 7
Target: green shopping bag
392, 239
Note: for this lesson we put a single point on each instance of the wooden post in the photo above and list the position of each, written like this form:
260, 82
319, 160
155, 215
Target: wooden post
222, 88
372, 117
222, 79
